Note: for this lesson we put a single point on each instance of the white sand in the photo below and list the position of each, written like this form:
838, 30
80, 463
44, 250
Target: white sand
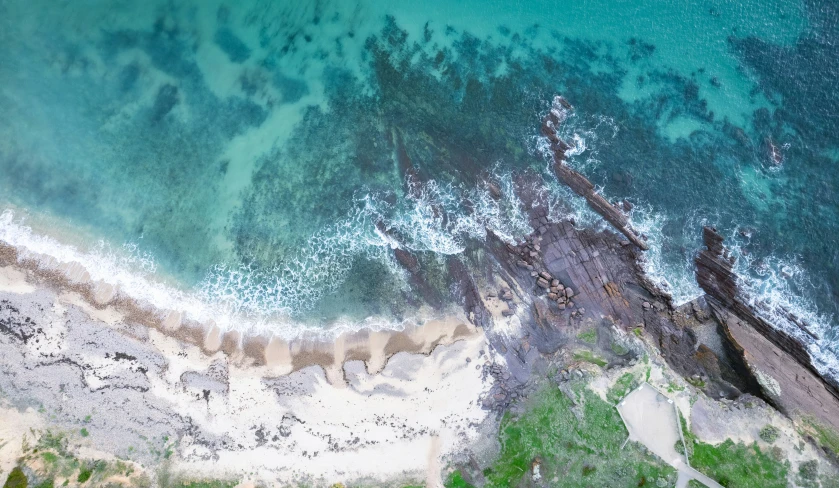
14, 429
14, 281
395, 417
399, 423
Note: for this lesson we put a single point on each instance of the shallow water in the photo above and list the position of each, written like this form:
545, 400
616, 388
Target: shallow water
249, 148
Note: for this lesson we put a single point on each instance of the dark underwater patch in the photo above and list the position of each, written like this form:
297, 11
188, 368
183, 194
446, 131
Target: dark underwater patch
236, 50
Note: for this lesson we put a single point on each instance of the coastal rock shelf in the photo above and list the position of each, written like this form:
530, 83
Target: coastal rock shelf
578, 183
556, 292
778, 360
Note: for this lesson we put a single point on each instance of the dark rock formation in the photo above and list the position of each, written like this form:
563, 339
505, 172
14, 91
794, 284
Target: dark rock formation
578, 183
779, 360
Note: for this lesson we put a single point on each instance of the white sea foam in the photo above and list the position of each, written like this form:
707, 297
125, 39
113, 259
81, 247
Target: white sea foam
244, 297
433, 219
674, 276
776, 287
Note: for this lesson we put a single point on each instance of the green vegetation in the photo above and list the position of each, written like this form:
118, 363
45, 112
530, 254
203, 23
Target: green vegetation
16, 479
576, 440
84, 474
588, 335
825, 436
769, 433
50, 459
455, 480
738, 465
619, 349
809, 470
696, 382
735, 465
84, 432
589, 357
621, 388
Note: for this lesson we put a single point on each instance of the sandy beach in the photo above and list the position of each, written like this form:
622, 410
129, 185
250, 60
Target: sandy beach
376, 405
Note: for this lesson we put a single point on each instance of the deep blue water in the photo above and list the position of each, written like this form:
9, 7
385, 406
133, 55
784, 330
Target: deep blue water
251, 147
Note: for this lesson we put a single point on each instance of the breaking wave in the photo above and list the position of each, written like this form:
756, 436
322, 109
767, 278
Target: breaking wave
436, 218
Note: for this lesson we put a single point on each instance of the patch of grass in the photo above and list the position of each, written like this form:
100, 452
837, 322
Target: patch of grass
588, 336
47, 483
825, 436
84, 432
455, 480
769, 433
637, 331
16, 479
49, 458
621, 388
84, 474
735, 465
619, 349
570, 437
56, 441
589, 357
809, 470
696, 382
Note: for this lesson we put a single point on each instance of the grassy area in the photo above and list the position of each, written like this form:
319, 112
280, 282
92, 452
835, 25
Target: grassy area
588, 335
16, 479
738, 465
735, 465
51, 463
589, 357
455, 480
825, 436
578, 442
621, 388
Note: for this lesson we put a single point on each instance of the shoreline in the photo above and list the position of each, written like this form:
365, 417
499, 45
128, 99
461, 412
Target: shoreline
228, 399
327, 349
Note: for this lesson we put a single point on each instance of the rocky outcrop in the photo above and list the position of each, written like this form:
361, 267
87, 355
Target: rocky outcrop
609, 291
578, 183
779, 361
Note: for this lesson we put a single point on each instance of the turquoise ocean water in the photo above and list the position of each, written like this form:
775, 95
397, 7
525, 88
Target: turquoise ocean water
242, 152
